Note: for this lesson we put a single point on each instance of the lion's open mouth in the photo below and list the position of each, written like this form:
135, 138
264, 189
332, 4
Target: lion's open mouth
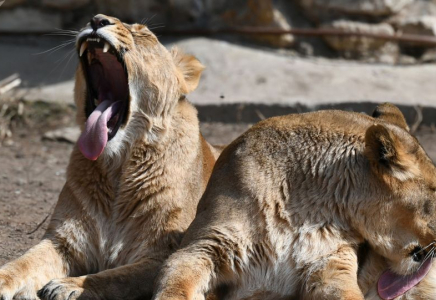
107, 102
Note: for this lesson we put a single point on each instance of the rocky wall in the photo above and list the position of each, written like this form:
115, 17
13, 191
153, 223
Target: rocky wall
373, 16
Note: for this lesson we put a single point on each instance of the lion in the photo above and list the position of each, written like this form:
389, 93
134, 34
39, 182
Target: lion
373, 266
135, 175
292, 200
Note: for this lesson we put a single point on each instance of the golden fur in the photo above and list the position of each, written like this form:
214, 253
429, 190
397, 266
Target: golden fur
372, 264
290, 202
119, 217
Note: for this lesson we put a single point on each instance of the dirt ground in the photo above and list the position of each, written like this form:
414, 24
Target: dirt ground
32, 173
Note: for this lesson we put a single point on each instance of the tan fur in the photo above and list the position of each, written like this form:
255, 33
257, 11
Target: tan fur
374, 265
119, 217
373, 268
290, 202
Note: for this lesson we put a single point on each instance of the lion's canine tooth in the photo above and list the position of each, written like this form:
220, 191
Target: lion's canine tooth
83, 48
106, 47
95, 102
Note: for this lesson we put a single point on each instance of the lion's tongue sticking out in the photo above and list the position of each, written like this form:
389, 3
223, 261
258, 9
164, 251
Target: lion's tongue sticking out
95, 136
391, 285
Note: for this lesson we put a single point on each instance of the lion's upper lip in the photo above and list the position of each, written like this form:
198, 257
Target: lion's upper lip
96, 42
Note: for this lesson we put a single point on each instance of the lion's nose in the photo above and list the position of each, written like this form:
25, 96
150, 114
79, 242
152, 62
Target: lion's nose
99, 22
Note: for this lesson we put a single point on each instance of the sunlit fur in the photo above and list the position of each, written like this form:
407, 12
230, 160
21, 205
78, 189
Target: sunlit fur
373, 264
290, 202
119, 217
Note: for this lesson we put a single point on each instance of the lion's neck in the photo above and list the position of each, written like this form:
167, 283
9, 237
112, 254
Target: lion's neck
143, 170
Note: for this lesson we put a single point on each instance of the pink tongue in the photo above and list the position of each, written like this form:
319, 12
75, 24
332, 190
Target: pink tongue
94, 138
391, 285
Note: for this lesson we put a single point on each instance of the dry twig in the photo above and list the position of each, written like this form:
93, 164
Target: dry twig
418, 119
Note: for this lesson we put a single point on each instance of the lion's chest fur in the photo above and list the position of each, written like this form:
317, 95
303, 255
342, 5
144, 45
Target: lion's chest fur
139, 214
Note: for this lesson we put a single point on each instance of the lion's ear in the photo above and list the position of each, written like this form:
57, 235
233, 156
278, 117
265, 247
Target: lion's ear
390, 113
190, 69
391, 152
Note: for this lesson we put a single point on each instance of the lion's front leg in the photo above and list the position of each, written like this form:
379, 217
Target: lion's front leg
22, 277
336, 279
133, 281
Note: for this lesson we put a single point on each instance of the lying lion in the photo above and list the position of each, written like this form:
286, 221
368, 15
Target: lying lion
291, 201
134, 178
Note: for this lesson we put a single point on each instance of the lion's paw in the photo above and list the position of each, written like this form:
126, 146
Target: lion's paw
63, 289
7, 287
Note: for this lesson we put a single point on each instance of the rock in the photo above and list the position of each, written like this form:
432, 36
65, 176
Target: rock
305, 49
136, 11
424, 25
406, 60
429, 56
28, 20
319, 10
419, 19
262, 14
417, 10
236, 13
11, 3
68, 134
65, 4
356, 44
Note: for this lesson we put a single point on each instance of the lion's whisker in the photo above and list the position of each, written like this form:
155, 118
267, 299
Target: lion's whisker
146, 19
56, 48
156, 27
428, 255
423, 249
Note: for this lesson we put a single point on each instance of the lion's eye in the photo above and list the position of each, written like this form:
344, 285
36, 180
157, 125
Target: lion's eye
417, 254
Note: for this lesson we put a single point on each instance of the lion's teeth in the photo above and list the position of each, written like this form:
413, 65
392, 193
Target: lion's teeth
83, 48
95, 102
106, 47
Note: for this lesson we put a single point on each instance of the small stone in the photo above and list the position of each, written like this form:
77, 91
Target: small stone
305, 49
21, 182
68, 134
8, 143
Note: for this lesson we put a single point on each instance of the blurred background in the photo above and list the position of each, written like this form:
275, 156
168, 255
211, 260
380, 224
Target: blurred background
262, 58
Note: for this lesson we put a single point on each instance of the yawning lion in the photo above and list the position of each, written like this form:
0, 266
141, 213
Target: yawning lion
134, 178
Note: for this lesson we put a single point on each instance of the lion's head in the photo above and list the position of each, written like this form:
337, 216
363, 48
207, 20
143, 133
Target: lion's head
127, 85
401, 224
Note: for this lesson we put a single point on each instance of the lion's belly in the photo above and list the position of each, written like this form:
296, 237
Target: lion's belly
266, 281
